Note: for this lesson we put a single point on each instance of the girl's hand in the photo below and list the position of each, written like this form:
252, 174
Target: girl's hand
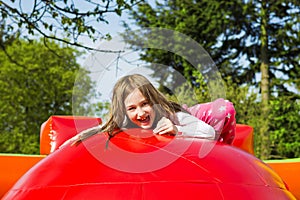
165, 126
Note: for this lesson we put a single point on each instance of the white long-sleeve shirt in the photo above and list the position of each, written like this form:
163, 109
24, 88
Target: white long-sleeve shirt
194, 127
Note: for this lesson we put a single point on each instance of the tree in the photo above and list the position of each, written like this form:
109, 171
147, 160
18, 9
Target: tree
200, 20
39, 85
61, 19
246, 38
271, 29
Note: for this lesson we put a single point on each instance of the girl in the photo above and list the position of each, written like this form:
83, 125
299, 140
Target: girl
137, 103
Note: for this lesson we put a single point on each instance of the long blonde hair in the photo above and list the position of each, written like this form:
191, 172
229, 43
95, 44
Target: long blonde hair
117, 114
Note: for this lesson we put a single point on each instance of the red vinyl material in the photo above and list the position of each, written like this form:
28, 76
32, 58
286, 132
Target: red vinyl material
57, 129
139, 165
244, 138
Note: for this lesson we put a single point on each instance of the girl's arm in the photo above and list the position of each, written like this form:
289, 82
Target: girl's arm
192, 126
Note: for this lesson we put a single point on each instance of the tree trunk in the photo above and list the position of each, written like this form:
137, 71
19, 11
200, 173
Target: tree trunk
264, 69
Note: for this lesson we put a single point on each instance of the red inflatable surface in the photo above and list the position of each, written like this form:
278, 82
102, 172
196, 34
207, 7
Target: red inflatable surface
139, 165
57, 129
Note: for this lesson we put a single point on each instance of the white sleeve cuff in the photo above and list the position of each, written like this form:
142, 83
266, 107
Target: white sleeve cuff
192, 126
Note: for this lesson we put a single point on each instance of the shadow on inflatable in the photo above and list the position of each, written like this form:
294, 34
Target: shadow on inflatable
135, 164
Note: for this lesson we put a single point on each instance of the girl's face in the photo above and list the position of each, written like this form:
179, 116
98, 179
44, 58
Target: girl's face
139, 110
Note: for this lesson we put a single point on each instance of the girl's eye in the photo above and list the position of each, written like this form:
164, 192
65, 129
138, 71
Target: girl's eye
145, 103
130, 108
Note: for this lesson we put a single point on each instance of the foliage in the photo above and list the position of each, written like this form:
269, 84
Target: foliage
38, 85
230, 32
60, 19
186, 17
285, 128
186, 94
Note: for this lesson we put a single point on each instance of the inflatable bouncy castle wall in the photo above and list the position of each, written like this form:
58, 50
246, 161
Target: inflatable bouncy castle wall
136, 164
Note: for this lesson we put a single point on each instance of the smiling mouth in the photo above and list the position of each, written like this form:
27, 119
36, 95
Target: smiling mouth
144, 120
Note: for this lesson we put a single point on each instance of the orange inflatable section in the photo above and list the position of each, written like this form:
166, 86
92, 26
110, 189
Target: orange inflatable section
289, 171
12, 167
